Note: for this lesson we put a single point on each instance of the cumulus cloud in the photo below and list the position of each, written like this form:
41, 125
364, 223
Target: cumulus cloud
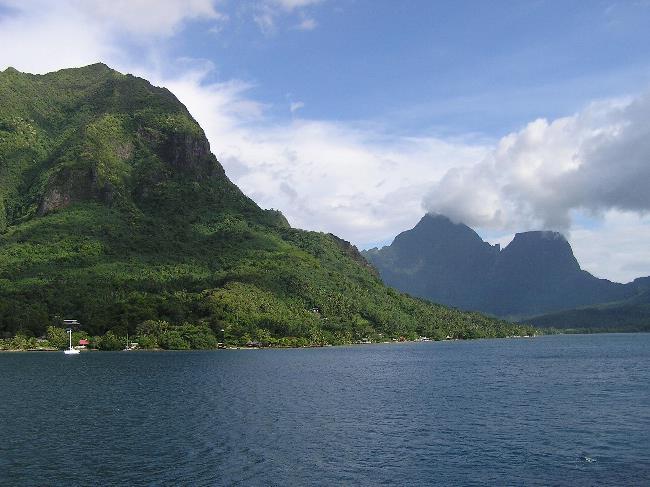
139, 17
39, 40
145, 18
591, 162
40, 36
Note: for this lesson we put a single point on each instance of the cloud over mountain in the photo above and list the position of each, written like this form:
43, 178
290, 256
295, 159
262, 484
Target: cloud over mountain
350, 179
594, 161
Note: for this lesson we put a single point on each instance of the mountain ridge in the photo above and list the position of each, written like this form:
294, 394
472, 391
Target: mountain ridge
536, 273
115, 212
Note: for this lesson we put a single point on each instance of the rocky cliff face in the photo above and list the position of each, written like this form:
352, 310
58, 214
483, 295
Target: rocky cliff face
114, 139
449, 263
538, 272
538, 253
353, 252
437, 258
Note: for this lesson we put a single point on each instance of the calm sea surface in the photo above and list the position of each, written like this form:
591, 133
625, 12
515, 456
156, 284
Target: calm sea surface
559, 410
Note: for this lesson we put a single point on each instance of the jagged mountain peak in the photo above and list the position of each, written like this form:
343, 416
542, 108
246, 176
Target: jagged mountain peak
548, 250
541, 235
436, 221
435, 230
449, 263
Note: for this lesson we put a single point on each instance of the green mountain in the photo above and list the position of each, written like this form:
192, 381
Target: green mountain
113, 211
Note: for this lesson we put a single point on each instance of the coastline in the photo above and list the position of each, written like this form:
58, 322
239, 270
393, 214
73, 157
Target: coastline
244, 347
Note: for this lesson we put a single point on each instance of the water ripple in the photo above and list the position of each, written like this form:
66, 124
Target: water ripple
571, 410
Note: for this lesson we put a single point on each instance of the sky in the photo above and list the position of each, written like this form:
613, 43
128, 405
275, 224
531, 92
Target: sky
358, 116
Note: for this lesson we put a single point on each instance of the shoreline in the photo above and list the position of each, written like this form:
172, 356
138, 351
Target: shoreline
243, 347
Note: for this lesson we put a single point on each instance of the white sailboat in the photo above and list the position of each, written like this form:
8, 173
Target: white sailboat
70, 351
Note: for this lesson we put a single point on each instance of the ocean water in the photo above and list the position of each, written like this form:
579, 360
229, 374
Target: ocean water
558, 410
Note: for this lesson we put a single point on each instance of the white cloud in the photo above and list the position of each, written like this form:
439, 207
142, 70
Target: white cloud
323, 175
293, 4
593, 161
139, 17
40, 36
42, 40
145, 18
616, 249
268, 11
265, 20
294, 106
307, 24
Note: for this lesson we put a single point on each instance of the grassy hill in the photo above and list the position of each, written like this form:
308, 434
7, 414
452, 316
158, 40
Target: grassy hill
113, 211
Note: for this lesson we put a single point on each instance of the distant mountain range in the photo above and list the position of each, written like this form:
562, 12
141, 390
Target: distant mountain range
536, 274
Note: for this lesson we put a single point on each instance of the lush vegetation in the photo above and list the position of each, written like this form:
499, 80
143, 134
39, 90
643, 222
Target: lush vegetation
114, 212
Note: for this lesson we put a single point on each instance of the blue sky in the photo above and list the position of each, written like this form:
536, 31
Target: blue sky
357, 116
459, 67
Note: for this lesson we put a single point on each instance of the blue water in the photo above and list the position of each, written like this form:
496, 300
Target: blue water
559, 410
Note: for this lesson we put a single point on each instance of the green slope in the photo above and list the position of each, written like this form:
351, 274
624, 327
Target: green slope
114, 211
632, 314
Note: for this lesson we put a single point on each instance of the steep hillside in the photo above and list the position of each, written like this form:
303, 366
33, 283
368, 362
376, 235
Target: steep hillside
450, 264
113, 211
632, 314
437, 260
537, 272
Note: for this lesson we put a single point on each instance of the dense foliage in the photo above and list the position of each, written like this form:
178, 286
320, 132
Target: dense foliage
114, 212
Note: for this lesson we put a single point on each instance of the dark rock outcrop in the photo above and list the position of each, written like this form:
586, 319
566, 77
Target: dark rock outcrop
353, 252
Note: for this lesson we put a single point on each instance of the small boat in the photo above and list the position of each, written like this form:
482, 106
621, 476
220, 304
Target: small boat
128, 347
71, 351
